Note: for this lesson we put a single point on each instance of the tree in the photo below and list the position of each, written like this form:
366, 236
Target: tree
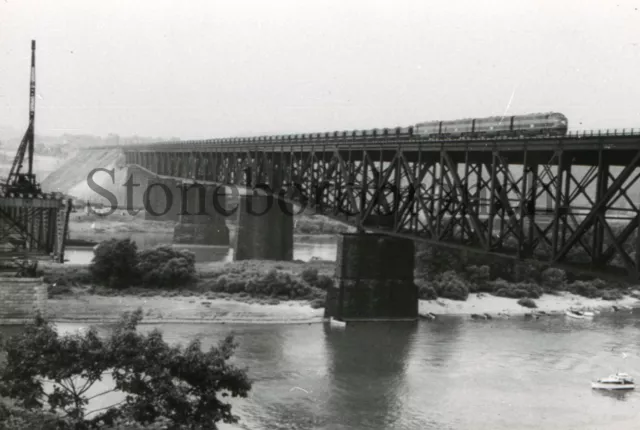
158, 382
114, 263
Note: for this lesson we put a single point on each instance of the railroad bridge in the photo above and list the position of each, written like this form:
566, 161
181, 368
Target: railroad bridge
570, 202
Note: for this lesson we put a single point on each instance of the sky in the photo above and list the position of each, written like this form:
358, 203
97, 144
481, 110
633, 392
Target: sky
211, 68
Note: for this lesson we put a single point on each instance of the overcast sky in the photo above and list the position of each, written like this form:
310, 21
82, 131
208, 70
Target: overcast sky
206, 68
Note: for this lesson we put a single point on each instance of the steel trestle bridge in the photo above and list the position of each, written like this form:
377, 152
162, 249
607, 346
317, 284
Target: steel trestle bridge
572, 202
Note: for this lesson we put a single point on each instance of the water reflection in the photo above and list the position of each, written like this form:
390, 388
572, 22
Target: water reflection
367, 365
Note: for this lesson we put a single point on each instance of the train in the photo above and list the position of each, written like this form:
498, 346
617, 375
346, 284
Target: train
536, 124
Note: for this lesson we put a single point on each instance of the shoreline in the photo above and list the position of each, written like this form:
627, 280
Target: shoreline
493, 305
94, 309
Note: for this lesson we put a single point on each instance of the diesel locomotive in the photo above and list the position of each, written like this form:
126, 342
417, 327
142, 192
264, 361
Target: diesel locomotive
537, 124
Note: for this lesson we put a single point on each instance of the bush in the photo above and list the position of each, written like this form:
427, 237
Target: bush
256, 283
309, 274
585, 289
502, 288
114, 263
54, 290
324, 282
554, 279
527, 303
317, 303
67, 276
612, 295
426, 292
449, 285
185, 387
478, 277
165, 266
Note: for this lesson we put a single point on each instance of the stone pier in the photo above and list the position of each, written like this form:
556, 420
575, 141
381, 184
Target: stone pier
162, 199
21, 299
202, 216
374, 279
265, 230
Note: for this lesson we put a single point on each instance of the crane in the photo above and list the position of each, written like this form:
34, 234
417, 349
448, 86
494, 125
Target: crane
19, 183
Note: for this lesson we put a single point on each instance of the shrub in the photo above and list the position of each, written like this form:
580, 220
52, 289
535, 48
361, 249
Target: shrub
478, 277
323, 282
527, 303
257, 283
114, 263
67, 276
317, 303
165, 266
612, 295
502, 288
585, 289
185, 387
426, 292
554, 279
309, 274
449, 285
54, 290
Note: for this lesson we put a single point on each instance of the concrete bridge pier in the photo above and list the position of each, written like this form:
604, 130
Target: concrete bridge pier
374, 275
162, 199
265, 229
202, 216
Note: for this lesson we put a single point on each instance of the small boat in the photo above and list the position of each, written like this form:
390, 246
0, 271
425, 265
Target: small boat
574, 314
428, 316
619, 381
336, 323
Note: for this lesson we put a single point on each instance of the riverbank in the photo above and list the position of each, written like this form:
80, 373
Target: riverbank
493, 305
202, 309
191, 309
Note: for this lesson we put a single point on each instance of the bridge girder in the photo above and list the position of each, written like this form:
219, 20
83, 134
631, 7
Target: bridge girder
570, 204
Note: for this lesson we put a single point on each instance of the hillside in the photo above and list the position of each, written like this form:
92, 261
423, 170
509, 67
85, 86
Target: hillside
72, 178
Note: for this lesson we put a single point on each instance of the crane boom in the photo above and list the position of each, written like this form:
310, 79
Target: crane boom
18, 183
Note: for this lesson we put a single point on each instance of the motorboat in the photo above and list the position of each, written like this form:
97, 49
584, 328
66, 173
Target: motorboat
619, 381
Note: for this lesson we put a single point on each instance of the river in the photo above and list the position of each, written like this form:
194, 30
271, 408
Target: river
452, 373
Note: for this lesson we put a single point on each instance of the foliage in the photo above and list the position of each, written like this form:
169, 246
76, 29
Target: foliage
449, 285
612, 295
590, 289
527, 303
502, 288
318, 303
16, 418
426, 292
310, 275
67, 276
164, 266
273, 283
157, 381
554, 279
432, 261
114, 263
478, 277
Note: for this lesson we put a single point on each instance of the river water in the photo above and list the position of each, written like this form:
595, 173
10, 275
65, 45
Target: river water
452, 373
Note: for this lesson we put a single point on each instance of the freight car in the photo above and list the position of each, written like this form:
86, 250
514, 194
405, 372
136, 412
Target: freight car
537, 124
